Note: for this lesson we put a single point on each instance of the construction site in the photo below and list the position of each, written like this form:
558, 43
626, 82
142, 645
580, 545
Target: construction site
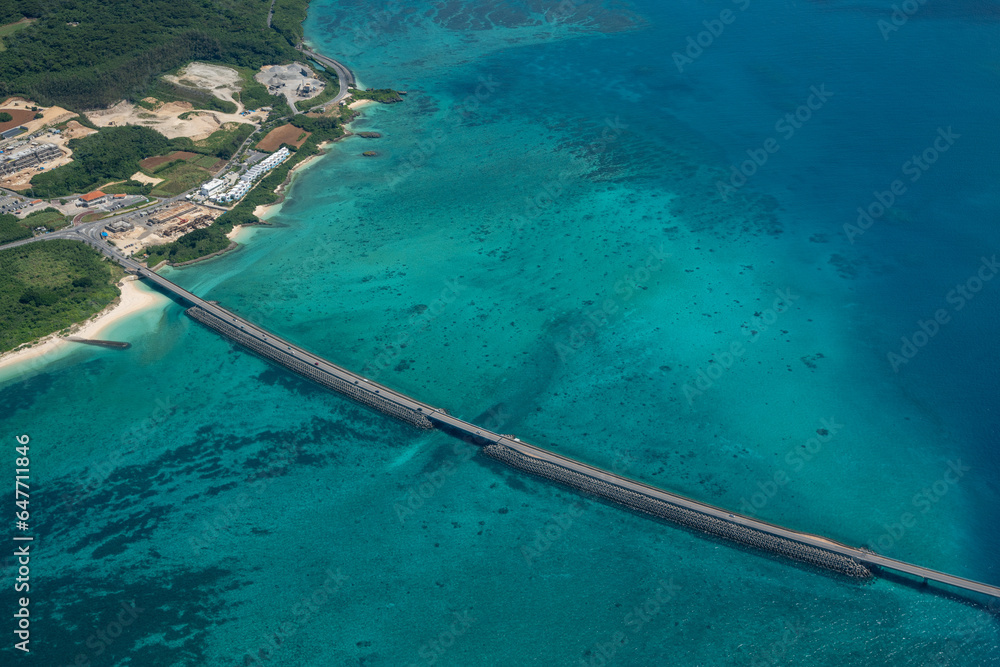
149, 228
43, 149
295, 81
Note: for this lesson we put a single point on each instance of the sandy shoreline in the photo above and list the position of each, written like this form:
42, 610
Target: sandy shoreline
133, 299
270, 209
239, 232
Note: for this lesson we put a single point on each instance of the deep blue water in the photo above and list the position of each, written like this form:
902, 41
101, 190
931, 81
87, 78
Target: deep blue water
554, 258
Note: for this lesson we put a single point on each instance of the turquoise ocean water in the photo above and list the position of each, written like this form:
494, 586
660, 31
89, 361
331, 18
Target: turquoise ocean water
543, 246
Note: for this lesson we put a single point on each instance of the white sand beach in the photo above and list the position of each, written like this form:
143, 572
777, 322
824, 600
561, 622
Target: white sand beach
133, 299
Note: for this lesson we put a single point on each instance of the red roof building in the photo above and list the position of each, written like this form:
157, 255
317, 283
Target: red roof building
91, 198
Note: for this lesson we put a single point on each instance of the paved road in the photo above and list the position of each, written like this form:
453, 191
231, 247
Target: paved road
344, 75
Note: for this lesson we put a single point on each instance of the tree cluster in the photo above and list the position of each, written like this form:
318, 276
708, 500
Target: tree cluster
111, 154
45, 287
85, 53
11, 229
383, 95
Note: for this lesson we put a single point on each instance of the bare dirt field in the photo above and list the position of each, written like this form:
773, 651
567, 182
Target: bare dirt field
223, 82
21, 116
50, 115
167, 119
143, 178
286, 134
74, 131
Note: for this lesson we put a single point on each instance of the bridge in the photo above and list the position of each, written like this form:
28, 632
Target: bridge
608, 486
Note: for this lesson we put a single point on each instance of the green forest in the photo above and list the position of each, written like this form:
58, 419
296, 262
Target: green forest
288, 18
85, 54
11, 229
45, 287
111, 154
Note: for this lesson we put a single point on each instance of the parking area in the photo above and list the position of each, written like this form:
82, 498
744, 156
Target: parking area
12, 204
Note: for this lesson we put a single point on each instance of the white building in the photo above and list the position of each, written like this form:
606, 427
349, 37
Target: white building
242, 186
212, 187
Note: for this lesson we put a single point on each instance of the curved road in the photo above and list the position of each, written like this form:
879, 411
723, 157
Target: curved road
344, 76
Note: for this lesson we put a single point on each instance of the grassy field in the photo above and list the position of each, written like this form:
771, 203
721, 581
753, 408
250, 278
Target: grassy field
11, 28
45, 287
228, 135
48, 218
150, 164
182, 170
208, 162
179, 178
